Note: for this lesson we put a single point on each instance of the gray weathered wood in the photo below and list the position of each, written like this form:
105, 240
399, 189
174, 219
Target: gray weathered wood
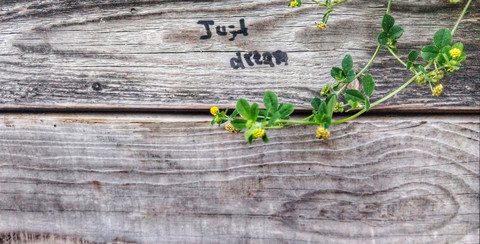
148, 54
159, 179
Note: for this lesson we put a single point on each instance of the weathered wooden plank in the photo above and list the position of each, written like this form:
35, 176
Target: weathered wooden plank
159, 179
148, 55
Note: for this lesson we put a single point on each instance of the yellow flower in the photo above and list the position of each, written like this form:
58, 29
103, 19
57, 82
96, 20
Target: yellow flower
258, 133
322, 133
214, 110
455, 52
231, 129
437, 90
321, 25
293, 4
451, 69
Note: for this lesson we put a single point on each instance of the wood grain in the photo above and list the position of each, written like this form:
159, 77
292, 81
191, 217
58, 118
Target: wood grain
148, 55
161, 179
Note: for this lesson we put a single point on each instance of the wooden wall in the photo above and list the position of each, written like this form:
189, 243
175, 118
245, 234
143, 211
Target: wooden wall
105, 134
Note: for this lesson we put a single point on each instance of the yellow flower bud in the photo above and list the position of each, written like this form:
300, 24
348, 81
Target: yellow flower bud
437, 90
321, 25
231, 129
258, 133
293, 4
455, 52
214, 110
322, 133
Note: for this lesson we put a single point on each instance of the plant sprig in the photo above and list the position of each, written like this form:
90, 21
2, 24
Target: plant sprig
439, 57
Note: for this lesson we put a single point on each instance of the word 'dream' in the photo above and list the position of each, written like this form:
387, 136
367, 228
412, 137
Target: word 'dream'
252, 58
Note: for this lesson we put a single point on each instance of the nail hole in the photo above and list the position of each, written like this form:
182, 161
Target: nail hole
97, 86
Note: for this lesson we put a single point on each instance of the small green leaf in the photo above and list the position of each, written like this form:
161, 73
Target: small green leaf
396, 32
354, 95
420, 68
254, 111
274, 118
239, 124
299, 3
327, 123
387, 22
412, 56
367, 104
443, 59
285, 110
429, 53
249, 136
315, 103
462, 57
337, 73
322, 109
270, 101
243, 108
265, 138
442, 38
458, 45
347, 63
332, 101
234, 113
383, 38
409, 65
351, 75
368, 84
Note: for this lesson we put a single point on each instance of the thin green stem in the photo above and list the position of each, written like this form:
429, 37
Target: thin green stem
460, 17
319, 3
369, 62
377, 102
388, 6
296, 122
340, 2
395, 55
343, 88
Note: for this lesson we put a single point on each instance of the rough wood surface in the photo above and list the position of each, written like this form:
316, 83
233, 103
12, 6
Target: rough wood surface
148, 55
160, 179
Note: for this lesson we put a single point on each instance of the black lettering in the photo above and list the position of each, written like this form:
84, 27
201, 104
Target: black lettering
280, 57
237, 62
243, 30
207, 24
267, 59
222, 31
247, 57
257, 57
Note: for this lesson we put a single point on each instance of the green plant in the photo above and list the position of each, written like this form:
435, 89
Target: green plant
438, 57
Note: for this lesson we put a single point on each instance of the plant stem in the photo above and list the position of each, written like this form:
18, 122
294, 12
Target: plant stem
377, 102
319, 3
460, 17
395, 55
388, 6
296, 122
369, 62
335, 4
